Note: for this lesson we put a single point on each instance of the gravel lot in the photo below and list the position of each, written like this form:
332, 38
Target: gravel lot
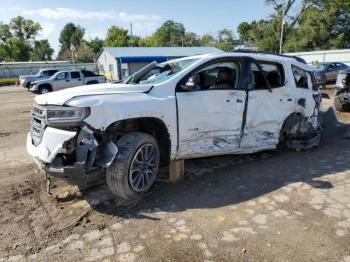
269, 206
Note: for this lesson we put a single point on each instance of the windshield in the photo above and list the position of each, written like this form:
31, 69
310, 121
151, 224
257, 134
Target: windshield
319, 67
155, 73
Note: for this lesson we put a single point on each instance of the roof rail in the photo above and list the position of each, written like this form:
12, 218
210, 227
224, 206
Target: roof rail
249, 51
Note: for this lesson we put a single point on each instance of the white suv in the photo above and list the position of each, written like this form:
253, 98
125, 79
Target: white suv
233, 103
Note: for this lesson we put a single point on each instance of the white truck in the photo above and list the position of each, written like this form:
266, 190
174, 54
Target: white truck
66, 79
233, 103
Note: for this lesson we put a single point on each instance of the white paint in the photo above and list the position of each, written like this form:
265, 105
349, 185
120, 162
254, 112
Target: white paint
209, 121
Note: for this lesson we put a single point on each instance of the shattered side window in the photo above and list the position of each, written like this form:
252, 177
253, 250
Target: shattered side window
273, 73
302, 78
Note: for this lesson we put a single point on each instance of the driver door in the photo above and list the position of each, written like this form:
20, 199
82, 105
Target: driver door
210, 110
61, 81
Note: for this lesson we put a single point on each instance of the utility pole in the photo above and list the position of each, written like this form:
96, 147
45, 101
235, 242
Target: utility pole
282, 29
72, 49
132, 40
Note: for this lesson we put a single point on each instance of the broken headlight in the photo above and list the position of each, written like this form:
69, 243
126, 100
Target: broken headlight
62, 116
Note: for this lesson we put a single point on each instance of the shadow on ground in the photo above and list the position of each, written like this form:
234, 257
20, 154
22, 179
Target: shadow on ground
221, 181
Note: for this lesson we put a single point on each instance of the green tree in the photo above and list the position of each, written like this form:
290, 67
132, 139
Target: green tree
16, 38
70, 34
117, 37
170, 34
24, 29
191, 39
42, 51
225, 40
207, 40
85, 54
95, 44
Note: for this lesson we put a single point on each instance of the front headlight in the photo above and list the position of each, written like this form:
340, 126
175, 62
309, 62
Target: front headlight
61, 116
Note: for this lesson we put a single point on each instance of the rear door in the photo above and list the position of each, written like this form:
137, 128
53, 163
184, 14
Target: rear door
76, 79
210, 116
269, 104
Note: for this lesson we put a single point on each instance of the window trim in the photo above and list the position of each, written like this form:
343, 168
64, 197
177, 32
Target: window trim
308, 72
237, 60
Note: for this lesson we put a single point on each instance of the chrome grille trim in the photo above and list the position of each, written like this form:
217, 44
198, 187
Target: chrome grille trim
38, 123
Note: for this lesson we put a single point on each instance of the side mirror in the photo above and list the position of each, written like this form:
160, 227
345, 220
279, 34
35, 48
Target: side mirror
189, 86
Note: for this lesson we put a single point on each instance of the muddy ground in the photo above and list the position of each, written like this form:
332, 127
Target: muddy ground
269, 206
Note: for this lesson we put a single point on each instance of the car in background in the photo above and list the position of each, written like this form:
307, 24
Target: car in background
26, 80
342, 95
327, 72
66, 79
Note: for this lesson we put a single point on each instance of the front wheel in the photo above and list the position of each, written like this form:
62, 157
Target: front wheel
339, 106
135, 168
44, 90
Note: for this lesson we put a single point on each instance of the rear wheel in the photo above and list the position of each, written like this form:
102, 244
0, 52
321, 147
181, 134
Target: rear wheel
135, 168
297, 134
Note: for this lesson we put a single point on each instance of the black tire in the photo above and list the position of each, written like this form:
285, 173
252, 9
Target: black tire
91, 83
339, 106
44, 89
119, 173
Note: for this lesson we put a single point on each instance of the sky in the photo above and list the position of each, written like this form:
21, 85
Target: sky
199, 16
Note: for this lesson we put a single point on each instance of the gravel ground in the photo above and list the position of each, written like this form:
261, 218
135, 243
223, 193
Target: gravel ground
269, 206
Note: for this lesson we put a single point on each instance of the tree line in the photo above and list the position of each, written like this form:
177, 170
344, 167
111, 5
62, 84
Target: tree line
307, 25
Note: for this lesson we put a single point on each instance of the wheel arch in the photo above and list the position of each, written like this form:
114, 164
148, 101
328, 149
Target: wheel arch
45, 85
149, 125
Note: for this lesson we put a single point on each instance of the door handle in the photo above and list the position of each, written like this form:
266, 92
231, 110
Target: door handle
79, 79
239, 100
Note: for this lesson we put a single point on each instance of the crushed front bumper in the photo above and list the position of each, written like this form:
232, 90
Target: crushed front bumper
343, 98
71, 154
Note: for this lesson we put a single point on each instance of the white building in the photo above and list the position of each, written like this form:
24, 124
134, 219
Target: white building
119, 62
342, 55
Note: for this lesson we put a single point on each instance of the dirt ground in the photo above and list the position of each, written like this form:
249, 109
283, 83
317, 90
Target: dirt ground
289, 206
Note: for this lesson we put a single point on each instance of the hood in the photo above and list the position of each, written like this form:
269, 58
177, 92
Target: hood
61, 97
26, 76
42, 79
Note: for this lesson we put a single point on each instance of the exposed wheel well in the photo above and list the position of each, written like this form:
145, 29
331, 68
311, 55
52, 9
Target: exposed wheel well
153, 126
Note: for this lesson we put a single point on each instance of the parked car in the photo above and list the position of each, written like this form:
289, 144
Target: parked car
65, 79
342, 95
26, 80
327, 72
232, 103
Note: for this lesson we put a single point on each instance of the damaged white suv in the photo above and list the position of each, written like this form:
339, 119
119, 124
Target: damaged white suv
232, 103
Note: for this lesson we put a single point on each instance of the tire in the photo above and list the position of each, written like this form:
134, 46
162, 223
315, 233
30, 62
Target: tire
121, 180
339, 106
44, 90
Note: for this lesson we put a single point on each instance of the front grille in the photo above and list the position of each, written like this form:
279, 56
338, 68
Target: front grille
38, 123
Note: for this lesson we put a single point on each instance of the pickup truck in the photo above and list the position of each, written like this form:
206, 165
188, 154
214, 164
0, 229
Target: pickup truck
66, 79
233, 103
26, 80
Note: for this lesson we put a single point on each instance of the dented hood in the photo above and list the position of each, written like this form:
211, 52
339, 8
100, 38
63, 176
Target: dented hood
61, 97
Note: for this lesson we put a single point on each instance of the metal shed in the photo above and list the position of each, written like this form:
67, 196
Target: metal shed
119, 62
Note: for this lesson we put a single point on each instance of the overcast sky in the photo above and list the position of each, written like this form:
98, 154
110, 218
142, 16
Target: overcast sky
199, 16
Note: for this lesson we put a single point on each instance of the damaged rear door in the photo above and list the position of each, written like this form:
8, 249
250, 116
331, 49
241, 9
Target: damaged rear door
210, 107
269, 103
